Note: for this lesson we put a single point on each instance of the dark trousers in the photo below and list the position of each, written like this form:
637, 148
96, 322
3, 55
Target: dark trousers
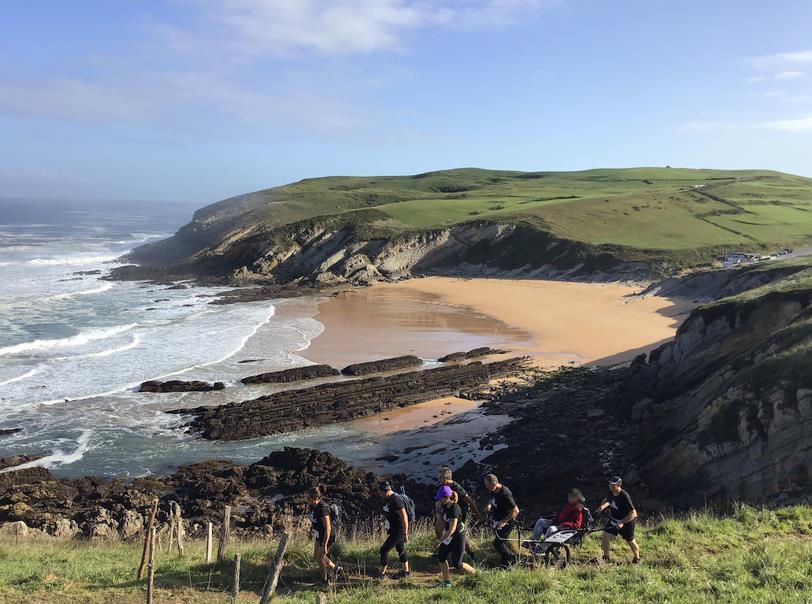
503, 547
393, 540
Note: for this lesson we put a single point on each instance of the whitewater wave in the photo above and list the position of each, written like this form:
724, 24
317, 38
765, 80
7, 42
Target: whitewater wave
71, 260
84, 292
59, 457
77, 340
25, 375
135, 341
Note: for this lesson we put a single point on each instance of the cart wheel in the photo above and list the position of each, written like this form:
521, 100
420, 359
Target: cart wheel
557, 556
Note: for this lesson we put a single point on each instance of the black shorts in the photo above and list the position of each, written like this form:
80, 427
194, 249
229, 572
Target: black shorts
627, 532
452, 552
320, 539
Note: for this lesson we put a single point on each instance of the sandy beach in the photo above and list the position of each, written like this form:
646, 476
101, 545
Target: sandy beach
553, 322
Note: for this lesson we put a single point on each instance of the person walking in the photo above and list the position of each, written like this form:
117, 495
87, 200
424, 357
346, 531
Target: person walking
503, 510
450, 544
324, 535
467, 505
622, 519
396, 523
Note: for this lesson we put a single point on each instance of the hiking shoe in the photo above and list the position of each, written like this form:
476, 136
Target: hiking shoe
444, 585
605, 559
335, 573
381, 576
635, 560
402, 575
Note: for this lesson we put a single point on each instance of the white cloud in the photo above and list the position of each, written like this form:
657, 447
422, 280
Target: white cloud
281, 28
803, 124
789, 75
782, 60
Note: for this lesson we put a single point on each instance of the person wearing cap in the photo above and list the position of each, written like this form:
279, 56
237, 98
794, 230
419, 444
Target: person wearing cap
622, 519
571, 516
464, 500
503, 510
396, 522
450, 544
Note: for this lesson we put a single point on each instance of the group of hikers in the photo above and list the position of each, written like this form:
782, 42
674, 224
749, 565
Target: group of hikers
453, 505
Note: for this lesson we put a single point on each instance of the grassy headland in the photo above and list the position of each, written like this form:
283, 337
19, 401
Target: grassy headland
663, 218
750, 555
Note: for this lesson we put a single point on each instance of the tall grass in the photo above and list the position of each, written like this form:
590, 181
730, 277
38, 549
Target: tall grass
751, 555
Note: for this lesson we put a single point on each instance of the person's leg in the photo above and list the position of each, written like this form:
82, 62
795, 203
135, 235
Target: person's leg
457, 552
444, 570
385, 549
539, 528
325, 558
400, 547
317, 557
550, 530
502, 546
635, 549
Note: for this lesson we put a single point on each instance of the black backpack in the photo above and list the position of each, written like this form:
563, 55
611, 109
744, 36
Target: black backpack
408, 503
336, 516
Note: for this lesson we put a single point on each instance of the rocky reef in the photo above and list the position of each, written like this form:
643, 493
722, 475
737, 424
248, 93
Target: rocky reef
180, 386
381, 365
295, 374
341, 401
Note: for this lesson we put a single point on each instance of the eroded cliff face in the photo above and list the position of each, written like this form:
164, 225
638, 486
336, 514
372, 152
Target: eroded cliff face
725, 409
330, 250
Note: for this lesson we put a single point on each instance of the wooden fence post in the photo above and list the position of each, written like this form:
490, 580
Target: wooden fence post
225, 533
151, 566
176, 514
235, 581
208, 542
272, 579
321, 598
150, 525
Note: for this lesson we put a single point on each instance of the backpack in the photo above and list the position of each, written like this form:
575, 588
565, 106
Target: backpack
336, 516
408, 502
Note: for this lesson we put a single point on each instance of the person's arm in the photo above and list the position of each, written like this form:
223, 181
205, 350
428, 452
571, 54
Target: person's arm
328, 528
404, 519
628, 518
452, 526
601, 507
510, 516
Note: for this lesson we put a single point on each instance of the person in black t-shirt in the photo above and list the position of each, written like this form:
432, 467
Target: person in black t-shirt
450, 543
622, 519
466, 503
503, 510
323, 533
396, 522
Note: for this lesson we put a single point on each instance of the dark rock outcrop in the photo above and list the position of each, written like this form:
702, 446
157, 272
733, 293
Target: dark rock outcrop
382, 365
340, 401
9, 431
471, 354
180, 386
17, 460
260, 493
295, 374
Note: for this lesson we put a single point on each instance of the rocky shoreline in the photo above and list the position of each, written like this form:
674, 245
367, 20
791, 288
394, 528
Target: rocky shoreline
35, 503
333, 402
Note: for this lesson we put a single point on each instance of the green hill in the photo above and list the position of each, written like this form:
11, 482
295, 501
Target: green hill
750, 556
680, 217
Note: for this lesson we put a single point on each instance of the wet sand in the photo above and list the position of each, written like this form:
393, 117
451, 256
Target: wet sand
554, 322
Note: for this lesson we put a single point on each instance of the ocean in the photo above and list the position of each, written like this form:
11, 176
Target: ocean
74, 348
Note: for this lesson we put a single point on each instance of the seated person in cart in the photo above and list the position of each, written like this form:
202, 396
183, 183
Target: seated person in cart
571, 516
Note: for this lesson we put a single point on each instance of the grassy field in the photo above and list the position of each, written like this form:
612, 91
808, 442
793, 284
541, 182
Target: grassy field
751, 555
647, 208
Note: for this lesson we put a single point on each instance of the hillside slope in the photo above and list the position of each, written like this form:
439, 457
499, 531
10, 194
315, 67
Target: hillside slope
725, 409
628, 222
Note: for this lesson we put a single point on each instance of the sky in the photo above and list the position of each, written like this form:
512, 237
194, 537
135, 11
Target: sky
197, 100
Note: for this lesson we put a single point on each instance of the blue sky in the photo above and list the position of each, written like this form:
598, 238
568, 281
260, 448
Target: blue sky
197, 100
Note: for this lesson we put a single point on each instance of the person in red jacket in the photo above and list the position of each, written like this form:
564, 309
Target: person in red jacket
571, 516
